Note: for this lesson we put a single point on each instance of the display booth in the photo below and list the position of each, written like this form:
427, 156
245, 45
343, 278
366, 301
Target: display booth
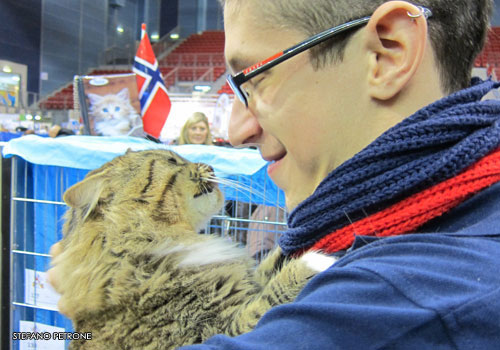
43, 168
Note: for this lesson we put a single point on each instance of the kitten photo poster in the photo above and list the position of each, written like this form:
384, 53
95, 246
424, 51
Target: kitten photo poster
109, 104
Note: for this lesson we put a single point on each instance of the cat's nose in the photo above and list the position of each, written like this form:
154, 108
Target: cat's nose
206, 167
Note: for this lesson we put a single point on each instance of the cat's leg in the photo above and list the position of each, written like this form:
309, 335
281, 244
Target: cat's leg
268, 266
275, 260
281, 286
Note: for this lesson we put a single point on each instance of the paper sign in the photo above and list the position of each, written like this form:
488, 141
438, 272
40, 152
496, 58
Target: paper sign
38, 291
38, 336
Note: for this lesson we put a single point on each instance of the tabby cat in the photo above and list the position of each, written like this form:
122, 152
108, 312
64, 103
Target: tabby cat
113, 114
133, 269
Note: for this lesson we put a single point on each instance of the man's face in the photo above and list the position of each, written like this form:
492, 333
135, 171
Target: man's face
299, 118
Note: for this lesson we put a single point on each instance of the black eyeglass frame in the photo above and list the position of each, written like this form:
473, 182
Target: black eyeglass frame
235, 81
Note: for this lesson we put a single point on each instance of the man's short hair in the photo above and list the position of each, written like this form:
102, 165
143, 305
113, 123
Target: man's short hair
457, 29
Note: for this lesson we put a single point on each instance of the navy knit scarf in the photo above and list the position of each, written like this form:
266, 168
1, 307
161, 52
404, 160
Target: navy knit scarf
432, 145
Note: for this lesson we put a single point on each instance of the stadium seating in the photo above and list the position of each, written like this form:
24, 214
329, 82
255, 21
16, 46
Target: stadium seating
63, 98
490, 56
199, 58
225, 89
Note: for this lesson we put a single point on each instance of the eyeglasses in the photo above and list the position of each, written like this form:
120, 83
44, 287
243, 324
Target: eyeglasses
235, 81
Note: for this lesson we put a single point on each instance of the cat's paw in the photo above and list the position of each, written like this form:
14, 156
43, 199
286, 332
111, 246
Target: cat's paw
317, 261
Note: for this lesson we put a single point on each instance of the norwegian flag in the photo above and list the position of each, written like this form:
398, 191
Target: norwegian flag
155, 103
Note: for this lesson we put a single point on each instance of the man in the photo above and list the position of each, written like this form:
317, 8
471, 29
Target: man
389, 159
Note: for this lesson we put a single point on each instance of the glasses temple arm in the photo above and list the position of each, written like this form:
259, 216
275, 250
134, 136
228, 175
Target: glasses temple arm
295, 50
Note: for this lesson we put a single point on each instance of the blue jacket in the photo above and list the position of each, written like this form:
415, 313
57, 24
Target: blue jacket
436, 289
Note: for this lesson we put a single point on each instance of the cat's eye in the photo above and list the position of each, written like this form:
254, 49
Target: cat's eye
117, 108
105, 110
172, 160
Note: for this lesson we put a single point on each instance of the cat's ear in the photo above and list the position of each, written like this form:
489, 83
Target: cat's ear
85, 194
123, 94
94, 98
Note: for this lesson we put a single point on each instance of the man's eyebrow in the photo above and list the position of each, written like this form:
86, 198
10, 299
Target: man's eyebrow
237, 64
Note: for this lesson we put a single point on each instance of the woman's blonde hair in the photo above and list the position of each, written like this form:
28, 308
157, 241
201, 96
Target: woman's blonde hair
194, 119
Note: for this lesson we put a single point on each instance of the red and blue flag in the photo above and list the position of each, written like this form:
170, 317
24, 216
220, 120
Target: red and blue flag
155, 103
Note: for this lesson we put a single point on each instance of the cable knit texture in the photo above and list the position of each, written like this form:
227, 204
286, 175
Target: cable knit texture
419, 208
433, 145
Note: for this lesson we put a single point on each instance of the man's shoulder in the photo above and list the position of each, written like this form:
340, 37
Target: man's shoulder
441, 271
478, 215
472, 225
450, 261
451, 279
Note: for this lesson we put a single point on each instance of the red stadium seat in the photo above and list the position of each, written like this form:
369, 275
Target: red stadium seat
199, 57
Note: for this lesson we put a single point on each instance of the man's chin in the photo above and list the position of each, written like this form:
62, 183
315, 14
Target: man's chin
291, 203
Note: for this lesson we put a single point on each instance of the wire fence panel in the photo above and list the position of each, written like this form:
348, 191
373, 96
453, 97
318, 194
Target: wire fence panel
37, 211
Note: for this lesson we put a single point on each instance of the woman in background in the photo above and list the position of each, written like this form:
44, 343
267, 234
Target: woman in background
196, 131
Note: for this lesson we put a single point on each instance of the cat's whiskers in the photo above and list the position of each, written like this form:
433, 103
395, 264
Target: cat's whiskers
238, 187
234, 184
255, 188
205, 188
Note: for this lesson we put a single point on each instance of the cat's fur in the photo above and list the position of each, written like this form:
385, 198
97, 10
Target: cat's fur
113, 114
134, 271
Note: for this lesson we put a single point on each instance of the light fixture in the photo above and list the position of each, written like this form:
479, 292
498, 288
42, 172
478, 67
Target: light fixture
38, 117
202, 88
174, 36
120, 29
7, 69
29, 117
155, 36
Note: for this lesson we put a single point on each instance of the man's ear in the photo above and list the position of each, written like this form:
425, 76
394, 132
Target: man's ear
396, 40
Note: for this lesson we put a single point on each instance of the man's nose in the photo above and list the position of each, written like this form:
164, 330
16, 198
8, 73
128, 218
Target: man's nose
243, 125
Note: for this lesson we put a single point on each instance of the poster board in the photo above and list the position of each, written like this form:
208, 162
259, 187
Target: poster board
9, 89
109, 105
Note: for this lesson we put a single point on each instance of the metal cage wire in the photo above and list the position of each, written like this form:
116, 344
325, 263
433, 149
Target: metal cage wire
36, 223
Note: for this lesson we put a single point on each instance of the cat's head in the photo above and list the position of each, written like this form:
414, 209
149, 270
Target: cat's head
112, 106
121, 212
154, 185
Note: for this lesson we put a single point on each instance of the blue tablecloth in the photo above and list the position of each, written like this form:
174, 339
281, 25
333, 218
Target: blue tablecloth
90, 152
7, 136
